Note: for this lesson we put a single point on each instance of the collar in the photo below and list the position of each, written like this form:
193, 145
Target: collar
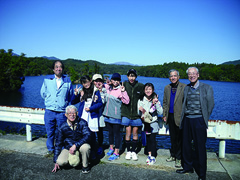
57, 77
149, 100
72, 126
196, 85
174, 85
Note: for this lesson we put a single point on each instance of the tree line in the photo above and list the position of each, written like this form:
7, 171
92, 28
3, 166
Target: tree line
13, 69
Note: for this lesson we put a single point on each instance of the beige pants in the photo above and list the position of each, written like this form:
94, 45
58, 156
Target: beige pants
63, 158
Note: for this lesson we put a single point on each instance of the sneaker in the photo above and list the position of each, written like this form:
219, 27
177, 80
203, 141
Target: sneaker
113, 157
50, 154
134, 156
85, 170
128, 155
148, 159
109, 153
170, 159
100, 151
178, 163
152, 161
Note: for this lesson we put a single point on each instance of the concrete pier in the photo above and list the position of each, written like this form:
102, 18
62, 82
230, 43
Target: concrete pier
20, 159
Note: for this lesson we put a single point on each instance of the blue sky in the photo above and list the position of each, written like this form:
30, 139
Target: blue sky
145, 32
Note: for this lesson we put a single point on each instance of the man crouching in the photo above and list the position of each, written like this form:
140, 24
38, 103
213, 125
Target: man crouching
72, 140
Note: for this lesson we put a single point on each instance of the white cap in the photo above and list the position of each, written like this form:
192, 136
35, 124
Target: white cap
97, 76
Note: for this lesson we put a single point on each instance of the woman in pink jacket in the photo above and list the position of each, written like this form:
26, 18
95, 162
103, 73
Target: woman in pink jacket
116, 95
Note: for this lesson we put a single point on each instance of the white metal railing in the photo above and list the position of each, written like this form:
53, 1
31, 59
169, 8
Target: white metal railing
24, 115
218, 129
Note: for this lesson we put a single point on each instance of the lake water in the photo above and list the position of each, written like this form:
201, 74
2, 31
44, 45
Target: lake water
226, 96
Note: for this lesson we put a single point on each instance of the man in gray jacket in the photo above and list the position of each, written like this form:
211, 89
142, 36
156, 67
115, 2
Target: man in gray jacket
197, 107
172, 109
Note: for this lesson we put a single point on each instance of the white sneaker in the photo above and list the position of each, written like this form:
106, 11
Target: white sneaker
148, 159
128, 155
134, 156
152, 161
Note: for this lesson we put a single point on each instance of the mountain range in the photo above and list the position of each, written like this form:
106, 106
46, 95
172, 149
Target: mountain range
235, 62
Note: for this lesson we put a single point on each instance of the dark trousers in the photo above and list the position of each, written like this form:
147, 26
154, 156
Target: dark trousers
114, 134
151, 144
175, 136
194, 156
100, 136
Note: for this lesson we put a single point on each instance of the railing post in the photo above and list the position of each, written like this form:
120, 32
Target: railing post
222, 146
29, 132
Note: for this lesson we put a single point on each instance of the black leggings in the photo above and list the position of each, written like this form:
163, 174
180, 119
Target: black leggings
100, 136
114, 132
151, 144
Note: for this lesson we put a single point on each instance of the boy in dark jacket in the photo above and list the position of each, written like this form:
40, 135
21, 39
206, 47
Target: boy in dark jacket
73, 139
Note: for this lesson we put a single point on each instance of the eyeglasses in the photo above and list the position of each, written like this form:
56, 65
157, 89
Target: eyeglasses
71, 114
192, 74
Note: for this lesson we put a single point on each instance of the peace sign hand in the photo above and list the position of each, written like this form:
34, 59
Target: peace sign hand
107, 81
77, 90
122, 87
155, 99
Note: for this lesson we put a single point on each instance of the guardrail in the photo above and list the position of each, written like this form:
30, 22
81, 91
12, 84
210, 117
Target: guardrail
218, 129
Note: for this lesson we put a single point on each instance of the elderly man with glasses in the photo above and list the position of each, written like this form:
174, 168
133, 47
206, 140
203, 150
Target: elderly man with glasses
197, 107
73, 139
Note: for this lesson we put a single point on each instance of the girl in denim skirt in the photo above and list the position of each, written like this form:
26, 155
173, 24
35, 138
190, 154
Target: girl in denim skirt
116, 95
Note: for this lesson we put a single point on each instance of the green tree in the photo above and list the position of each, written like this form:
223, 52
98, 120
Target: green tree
73, 74
11, 70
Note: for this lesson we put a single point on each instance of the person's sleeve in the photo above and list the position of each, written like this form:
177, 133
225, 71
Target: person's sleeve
75, 99
159, 108
210, 99
165, 103
86, 134
43, 90
124, 97
70, 94
98, 104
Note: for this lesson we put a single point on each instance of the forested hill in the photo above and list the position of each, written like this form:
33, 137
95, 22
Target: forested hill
236, 62
14, 68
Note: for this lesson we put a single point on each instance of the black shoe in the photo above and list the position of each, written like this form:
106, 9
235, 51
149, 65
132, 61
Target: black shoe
85, 170
183, 171
202, 178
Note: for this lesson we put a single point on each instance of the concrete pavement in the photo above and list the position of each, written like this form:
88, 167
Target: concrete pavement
20, 159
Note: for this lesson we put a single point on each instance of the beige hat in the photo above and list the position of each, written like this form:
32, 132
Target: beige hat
147, 117
97, 76
74, 159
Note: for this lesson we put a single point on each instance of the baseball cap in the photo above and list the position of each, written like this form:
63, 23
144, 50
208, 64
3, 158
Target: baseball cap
116, 76
130, 71
97, 76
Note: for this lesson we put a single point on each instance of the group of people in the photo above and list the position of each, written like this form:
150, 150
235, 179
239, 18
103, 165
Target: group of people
114, 104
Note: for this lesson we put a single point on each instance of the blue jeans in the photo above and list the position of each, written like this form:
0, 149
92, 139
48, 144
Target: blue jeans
52, 119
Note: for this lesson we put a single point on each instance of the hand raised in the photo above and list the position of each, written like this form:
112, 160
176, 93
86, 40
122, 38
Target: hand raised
155, 100
76, 90
108, 81
122, 87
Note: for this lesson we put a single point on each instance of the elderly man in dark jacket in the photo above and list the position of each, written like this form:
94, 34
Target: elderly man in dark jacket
73, 139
